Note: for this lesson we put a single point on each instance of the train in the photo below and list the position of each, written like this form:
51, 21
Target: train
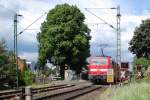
99, 66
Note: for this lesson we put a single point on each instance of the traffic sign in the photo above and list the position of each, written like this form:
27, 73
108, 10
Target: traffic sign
110, 75
123, 74
110, 78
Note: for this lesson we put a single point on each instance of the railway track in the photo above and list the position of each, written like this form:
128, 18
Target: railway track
10, 94
67, 94
57, 92
14, 93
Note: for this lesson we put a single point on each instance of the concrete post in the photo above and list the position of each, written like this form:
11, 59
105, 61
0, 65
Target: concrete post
28, 93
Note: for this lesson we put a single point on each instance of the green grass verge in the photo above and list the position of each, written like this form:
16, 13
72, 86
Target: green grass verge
132, 91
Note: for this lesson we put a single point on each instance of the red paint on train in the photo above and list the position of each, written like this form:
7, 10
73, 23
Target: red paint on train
98, 67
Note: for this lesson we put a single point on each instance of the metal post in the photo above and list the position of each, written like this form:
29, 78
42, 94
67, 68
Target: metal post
118, 58
118, 37
14, 37
15, 48
15, 42
17, 56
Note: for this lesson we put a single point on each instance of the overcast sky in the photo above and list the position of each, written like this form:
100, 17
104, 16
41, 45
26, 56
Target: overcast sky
132, 11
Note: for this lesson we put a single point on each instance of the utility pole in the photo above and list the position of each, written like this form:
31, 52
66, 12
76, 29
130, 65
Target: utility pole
15, 56
15, 22
118, 37
16, 42
15, 51
15, 47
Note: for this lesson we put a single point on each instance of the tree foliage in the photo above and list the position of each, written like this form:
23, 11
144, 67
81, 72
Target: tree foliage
140, 43
64, 38
3, 56
7, 67
6, 60
141, 61
26, 77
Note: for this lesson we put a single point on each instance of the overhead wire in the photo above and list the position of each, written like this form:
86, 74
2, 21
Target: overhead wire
100, 19
32, 23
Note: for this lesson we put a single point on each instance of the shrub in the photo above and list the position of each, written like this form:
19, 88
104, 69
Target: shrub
27, 77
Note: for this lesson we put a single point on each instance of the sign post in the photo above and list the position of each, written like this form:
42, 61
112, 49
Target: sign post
110, 76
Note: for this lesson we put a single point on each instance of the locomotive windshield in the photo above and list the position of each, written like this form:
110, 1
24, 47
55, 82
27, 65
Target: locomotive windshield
98, 61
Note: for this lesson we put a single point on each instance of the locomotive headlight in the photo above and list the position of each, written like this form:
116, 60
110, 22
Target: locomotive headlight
103, 70
93, 70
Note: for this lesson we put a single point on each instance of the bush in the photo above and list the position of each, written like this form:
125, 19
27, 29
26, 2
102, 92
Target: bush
147, 78
141, 61
27, 77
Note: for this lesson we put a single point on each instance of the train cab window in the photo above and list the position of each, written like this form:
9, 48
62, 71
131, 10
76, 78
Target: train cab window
98, 61
94, 62
103, 61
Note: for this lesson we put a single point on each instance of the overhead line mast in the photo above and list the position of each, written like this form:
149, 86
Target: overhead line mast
118, 37
118, 56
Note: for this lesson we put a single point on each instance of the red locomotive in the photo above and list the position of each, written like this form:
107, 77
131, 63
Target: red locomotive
98, 67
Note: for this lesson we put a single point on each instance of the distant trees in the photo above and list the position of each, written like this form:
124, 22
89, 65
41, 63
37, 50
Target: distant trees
6, 60
141, 61
140, 43
7, 67
140, 46
64, 38
3, 54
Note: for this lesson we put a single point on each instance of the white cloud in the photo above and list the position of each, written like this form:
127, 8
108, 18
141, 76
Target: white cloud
30, 56
32, 9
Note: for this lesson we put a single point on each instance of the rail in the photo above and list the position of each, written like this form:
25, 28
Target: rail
21, 93
68, 94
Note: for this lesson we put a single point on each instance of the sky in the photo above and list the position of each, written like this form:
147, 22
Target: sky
132, 13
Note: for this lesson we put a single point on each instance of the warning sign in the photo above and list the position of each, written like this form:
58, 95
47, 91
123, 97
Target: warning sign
123, 74
110, 76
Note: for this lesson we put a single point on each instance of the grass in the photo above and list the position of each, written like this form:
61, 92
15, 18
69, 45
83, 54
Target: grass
132, 91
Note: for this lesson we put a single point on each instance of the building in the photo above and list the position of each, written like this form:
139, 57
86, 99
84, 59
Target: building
21, 64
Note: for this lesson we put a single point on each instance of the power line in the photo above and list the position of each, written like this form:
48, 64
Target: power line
101, 8
32, 23
118, 57
101, 19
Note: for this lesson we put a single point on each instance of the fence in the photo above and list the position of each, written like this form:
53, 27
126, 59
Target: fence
45, 80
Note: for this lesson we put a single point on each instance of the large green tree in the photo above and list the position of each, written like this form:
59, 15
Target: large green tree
140, 43
64, 38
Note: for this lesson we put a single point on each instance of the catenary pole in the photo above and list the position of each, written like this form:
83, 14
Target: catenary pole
118, 37
15, 47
